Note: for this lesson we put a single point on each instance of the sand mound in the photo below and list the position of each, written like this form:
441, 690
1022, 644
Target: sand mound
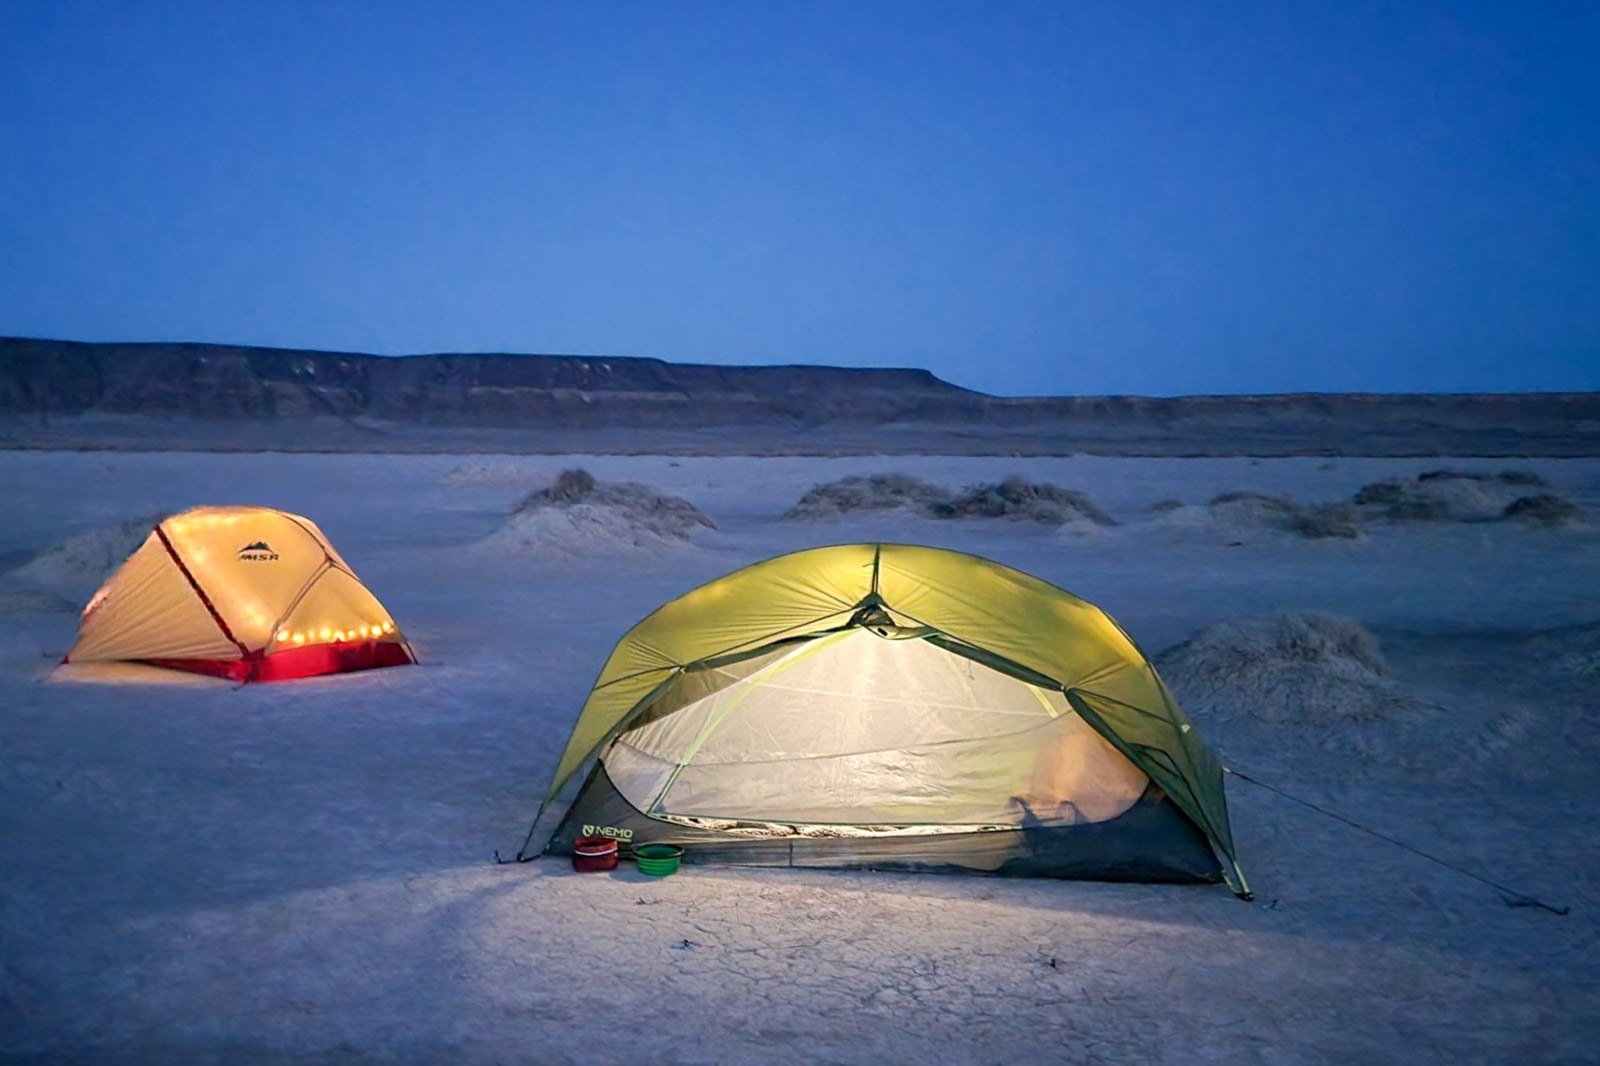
878, 492
88, 558
1015, 498
1463, 496
580, 517
1019, 499
1290, 668
1255, 511
507, 474
1433, 496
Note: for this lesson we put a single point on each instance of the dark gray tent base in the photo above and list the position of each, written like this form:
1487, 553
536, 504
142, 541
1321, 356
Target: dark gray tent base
1151, 841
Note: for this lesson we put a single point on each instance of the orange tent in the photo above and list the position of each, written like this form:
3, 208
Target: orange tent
247, 593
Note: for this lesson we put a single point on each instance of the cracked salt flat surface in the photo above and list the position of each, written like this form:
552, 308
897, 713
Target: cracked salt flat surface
300, 872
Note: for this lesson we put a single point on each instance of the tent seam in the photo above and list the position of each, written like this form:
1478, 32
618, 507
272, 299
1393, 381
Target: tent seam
205, 600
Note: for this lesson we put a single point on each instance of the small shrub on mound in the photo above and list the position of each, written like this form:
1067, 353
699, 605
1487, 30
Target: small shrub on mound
1545, 508
1297, 667
1325, 520
570, 487
878, 492
1461, 496
1465, 499
1379, 493
578, 515
1019, 499
1255, 510
1252, 510
1257, 499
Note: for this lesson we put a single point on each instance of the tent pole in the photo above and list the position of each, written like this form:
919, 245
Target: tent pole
522, 852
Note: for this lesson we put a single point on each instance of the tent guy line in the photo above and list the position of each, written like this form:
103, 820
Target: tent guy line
1512, 897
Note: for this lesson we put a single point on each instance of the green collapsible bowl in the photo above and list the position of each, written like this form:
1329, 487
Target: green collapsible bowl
657, 860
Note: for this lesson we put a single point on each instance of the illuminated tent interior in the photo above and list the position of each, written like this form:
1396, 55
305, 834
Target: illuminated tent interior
246, 593
892, 706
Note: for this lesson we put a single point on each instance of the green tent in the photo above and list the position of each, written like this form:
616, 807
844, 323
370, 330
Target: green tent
897, 707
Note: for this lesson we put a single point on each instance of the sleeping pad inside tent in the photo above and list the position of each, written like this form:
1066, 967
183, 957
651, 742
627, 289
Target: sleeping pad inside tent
893, 707
246, 593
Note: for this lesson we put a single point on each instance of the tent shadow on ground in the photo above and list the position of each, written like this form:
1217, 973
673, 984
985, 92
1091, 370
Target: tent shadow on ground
1304, 910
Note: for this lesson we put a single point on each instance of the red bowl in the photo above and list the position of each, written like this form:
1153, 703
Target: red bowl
594, 854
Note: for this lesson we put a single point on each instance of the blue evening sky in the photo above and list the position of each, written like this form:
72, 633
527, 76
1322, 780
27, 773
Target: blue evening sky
1065, 197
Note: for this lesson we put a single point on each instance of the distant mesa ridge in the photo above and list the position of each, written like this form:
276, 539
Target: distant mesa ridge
230, 381
159, 395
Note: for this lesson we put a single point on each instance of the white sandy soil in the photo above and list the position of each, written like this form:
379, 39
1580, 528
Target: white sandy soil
191, 873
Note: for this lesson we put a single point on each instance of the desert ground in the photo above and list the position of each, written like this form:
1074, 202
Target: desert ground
303, 872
